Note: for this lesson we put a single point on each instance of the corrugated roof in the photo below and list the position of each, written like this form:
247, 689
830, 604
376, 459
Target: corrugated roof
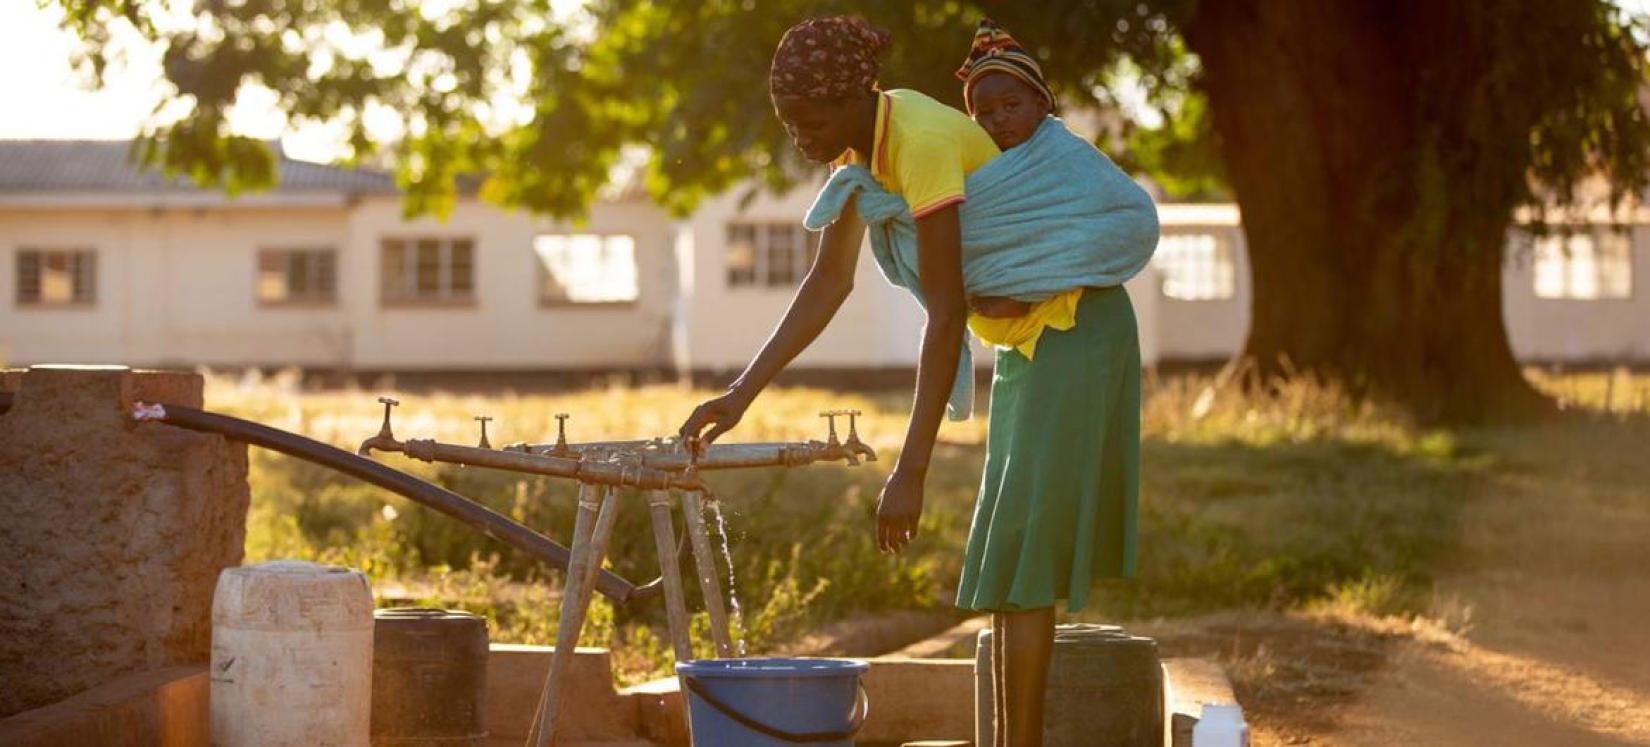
105, 166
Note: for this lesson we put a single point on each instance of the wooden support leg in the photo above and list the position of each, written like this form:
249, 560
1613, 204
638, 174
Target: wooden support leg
704, 560
574, 602
664, 537
598, 539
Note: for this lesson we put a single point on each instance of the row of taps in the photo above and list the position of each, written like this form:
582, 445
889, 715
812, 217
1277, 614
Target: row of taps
665, 454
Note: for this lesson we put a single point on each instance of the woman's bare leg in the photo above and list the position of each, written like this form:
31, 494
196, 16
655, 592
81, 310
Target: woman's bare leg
1026, 641
999, 687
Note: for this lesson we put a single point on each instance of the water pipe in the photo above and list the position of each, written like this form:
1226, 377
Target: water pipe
477, 516
667, 454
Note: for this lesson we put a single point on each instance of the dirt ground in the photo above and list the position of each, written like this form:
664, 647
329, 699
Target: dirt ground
1539, 635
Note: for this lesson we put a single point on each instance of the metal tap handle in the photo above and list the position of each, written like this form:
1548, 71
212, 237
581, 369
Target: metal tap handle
483, 420
830, 417
388, 403
561, 428
853, 423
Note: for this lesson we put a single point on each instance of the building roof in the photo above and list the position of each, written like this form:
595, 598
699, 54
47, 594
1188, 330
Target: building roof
105, 166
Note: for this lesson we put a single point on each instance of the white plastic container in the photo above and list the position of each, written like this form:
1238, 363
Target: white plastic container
291, 656
1220, 725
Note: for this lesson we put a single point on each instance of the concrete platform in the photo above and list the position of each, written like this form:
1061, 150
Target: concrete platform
160, 708
927, 702
593, 712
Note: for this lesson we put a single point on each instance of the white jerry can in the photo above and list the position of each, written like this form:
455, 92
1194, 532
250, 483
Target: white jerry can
1220, 725
291, 656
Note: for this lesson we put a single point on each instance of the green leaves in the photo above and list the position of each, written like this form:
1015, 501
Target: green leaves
534, 107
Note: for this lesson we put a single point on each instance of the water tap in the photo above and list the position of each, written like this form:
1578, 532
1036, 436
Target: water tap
385, 440
561, 449
853, 444
830, 417
483, 420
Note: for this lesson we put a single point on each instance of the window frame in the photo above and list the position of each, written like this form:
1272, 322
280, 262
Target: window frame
1595, 231
330, 300
761, 270
541, 274
79, 253
1225, 243
409, 282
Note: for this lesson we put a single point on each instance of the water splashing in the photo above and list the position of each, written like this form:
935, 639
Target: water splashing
733, 591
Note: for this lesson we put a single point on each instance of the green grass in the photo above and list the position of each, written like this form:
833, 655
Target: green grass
1297, 498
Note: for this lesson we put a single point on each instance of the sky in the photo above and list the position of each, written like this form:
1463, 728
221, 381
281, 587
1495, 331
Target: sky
50, 100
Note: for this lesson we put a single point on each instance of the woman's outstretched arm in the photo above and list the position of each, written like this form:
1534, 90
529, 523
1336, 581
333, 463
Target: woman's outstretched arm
822, 292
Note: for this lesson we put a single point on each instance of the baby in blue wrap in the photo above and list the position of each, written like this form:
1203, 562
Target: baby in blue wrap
1003, 87
1004, 91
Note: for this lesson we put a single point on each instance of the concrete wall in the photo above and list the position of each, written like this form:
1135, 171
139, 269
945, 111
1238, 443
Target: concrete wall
176, 286
114, 534
507, 327
159, 708
1203, 330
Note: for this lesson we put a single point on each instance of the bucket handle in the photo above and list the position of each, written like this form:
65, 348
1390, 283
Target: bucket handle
862, 708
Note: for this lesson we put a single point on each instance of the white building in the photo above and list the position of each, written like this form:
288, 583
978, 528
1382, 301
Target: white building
103, 265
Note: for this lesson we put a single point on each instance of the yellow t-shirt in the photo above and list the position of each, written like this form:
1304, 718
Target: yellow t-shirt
1022, 332
922, 150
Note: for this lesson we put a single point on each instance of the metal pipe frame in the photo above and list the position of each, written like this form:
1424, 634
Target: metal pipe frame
590, 535
664, 539
477, 516
649, 456
599, 473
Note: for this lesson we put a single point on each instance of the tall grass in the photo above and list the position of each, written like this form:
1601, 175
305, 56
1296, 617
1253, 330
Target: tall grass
1296, 496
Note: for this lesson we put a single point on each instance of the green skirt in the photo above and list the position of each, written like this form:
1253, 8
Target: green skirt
1058, 505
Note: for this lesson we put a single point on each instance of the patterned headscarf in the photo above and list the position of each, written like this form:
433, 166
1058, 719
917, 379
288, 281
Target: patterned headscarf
828, 57
994, 51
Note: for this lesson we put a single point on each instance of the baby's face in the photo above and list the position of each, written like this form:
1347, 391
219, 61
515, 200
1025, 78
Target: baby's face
1007, 108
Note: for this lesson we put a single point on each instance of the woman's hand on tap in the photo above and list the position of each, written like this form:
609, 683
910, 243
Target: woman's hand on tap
720, 415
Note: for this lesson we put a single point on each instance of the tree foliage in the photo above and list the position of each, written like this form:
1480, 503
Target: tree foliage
687, 80
1382, 144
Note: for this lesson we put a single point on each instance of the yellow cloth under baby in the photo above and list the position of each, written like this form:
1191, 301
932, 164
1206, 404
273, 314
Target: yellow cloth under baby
1022, 332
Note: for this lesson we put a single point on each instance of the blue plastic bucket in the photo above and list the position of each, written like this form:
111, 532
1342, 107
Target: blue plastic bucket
774, 702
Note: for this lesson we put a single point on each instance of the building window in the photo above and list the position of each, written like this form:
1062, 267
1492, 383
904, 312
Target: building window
297, 276
53, 277
586, 268
768, 255
1196, 266
1584, 264
428, 270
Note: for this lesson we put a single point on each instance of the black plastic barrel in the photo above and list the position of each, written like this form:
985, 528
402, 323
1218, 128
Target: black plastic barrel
1105, 689
429, 678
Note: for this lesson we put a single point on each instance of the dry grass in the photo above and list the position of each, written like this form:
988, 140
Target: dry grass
1296, 499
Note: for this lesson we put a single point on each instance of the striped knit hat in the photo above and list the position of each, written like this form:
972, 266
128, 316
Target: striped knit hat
994, 51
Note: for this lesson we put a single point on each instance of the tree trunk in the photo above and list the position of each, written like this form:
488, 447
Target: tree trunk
1370, 266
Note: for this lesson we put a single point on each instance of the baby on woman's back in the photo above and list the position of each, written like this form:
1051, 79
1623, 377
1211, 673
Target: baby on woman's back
1003, 87
1005, 93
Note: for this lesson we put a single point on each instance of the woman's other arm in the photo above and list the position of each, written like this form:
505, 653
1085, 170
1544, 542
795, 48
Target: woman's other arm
939, 272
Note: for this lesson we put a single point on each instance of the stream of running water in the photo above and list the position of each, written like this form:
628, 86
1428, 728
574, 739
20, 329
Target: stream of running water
738, 621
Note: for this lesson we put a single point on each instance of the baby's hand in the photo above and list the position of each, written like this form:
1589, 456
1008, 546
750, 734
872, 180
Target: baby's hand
997, 307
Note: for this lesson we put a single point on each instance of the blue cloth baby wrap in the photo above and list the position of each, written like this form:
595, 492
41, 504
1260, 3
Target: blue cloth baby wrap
1045, 217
